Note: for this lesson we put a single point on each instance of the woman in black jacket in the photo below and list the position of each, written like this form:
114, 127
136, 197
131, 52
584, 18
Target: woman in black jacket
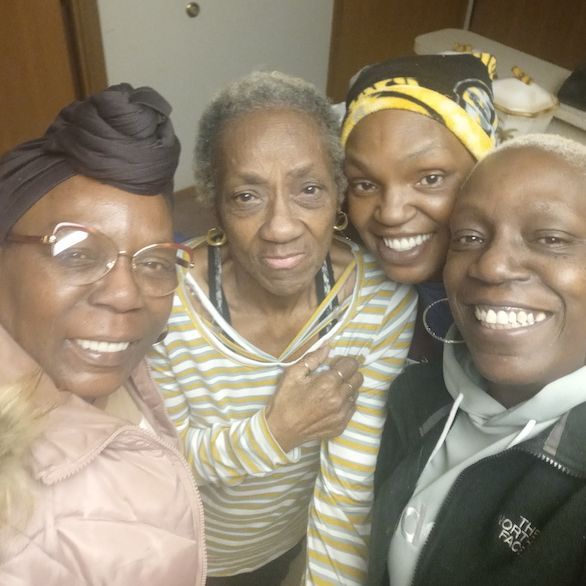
481, 477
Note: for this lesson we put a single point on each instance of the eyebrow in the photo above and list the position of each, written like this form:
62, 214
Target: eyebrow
301, 171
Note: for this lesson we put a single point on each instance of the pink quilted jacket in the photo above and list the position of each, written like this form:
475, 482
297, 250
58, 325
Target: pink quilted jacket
115, 505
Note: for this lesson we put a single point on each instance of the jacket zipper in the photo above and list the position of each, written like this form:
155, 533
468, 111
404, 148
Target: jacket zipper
195, 496
443, 505
183, 460
135, 430
540, 456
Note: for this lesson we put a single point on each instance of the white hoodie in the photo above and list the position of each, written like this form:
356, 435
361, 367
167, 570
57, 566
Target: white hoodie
478, 426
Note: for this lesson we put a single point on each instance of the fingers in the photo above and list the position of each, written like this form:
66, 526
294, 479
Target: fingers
347, 379
314, 360
352, 387
343, 371
344, 417
343, 374
351, 393
314, 405
344, 368
356, 380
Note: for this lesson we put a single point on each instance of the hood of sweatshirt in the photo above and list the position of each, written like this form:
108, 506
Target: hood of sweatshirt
469, 390
485, 416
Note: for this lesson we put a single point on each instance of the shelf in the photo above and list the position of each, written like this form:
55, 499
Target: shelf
546, 74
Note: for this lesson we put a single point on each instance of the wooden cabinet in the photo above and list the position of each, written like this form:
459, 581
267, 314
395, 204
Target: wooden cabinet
367, 31
553, 30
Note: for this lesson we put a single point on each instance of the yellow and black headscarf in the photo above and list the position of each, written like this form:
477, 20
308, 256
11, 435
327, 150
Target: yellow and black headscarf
454, 89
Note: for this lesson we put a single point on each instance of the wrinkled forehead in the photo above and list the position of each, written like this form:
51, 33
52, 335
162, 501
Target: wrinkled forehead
259, 124
258, 140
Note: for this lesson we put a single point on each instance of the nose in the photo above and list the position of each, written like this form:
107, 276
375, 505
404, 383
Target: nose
395, 207
118, 289
281, 224
500, 261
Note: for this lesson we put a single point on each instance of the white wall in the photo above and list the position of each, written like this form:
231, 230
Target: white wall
154, 42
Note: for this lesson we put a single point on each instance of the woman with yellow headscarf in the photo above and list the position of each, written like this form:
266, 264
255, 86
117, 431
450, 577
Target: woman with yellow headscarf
414, 128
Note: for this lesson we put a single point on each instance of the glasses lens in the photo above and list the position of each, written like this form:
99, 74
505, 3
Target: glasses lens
158, 267
82, 256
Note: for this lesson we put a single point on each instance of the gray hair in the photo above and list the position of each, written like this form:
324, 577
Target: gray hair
256, 92
570, 151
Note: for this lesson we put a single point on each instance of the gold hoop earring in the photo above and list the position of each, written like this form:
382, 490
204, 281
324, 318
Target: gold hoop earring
428, 328
341, 222
162, 336
216, 237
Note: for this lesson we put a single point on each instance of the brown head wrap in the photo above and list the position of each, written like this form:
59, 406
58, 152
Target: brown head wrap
121, 136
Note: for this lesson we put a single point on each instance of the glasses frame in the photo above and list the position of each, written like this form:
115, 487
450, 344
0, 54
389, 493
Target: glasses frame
50, 239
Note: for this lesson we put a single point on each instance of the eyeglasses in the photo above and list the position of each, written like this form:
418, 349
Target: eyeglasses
83, 255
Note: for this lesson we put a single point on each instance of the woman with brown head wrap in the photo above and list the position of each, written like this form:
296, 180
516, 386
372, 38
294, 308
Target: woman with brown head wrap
87, 273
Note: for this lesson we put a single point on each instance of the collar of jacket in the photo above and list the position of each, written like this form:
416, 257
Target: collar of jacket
75, 432
563, 445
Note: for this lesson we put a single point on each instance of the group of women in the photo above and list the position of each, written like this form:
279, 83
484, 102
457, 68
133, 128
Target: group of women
271, 376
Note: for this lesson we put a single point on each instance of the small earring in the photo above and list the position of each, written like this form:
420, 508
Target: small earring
162, 336
428, 328
341, 222
216, 237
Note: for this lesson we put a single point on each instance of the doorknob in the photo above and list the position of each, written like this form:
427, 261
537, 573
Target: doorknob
192, 9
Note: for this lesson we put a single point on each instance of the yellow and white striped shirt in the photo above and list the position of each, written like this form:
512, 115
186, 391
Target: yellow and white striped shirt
260, 501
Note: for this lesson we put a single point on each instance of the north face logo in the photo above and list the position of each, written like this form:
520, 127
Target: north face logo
518, 536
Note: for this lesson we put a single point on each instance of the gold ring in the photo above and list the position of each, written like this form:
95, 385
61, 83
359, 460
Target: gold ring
352, 394
339, 374
307, 368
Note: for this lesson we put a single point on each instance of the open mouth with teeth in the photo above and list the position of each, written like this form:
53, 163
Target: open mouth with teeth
507, 318
103, 347
406, 244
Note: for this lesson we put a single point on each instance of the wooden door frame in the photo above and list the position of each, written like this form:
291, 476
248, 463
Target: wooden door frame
82, 23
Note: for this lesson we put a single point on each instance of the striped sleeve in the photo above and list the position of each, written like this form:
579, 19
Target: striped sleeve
222, 453
339, 516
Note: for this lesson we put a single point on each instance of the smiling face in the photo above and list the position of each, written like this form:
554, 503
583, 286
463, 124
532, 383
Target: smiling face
516, 271
276, 199
404, 171
88, 338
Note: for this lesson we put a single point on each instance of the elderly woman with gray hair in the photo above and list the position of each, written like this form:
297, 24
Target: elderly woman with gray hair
281, 342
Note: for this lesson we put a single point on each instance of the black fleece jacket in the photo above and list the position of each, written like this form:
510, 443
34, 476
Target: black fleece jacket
516, 518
